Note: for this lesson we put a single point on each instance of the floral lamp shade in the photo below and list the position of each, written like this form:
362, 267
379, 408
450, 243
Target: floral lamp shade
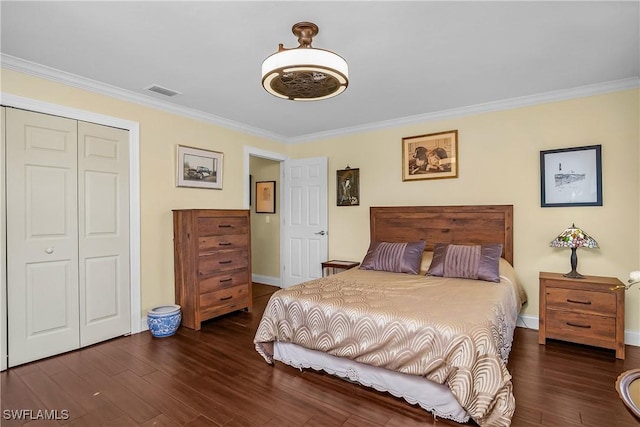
574, 238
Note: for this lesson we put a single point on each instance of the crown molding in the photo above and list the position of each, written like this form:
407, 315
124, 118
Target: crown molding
37, 70
506, 104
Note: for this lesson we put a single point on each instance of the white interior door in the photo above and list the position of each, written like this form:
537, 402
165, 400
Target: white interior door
305, 220
103, 224
42, 236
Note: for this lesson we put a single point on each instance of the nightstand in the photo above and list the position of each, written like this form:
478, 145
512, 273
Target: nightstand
335, 264
583, 311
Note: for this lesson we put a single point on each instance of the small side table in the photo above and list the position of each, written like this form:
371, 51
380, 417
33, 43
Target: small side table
584, 311
336, 264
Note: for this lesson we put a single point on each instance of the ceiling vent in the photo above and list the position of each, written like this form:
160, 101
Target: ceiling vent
163, 90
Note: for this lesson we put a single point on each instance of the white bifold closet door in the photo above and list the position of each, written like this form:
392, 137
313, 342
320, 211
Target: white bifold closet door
67, 203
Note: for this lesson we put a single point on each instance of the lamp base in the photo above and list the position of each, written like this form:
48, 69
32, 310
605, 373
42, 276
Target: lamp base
574, 275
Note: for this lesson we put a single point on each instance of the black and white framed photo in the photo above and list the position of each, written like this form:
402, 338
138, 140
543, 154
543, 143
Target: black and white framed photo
571, 176
199, 168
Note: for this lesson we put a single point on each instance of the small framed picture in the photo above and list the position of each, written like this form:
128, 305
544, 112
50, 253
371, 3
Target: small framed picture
571, 176
199, 168
430, 156
266, 197
348, 191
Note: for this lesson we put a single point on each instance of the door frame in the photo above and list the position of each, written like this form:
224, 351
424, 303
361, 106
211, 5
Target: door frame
10, 100
4, 333
249, 151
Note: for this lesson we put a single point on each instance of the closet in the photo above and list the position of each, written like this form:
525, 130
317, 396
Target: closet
67, 233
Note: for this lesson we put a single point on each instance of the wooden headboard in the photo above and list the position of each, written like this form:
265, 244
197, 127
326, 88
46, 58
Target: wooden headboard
474, 224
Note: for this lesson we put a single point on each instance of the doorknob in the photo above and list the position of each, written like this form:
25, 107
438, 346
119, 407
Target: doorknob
322, 233
49, 250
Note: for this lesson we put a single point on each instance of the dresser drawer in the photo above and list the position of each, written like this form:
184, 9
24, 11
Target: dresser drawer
581, 301
225, 241
581, 328
222, 225
222, 281
225, 297
221, 261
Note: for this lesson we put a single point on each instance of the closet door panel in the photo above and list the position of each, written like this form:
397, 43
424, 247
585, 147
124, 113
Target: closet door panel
103, 185
42, 239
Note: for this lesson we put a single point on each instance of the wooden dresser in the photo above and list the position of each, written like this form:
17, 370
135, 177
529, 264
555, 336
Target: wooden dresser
212, 262
584, 311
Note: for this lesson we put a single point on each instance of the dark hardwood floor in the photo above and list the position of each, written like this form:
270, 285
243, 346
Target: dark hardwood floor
215, 378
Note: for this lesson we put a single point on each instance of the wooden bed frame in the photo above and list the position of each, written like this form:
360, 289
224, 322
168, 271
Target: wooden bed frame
470, 224
435, 224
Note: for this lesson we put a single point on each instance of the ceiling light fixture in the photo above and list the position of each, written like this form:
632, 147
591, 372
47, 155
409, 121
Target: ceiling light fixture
305, 73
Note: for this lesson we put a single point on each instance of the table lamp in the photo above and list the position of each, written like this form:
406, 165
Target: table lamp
574, 238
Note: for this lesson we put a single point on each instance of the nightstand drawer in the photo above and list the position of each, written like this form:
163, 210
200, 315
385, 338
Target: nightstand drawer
581, 328
581, 301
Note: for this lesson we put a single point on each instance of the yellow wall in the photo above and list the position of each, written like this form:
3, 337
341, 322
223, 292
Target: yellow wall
160, 133
265, 236
499, 164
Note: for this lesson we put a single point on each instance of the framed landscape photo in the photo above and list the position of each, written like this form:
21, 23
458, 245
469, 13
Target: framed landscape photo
571, 176
430, 156
199, 168
348, 187
266, 197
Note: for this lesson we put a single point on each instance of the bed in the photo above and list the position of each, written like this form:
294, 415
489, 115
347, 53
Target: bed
440, 340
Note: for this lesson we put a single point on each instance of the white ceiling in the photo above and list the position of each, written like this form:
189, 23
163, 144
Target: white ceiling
407, 59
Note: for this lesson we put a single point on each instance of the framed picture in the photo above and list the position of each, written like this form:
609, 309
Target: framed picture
571, 176
348, 183
430, 156
266, 197
199, 168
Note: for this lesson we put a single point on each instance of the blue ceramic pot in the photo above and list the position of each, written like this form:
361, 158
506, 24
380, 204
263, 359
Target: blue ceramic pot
164, 321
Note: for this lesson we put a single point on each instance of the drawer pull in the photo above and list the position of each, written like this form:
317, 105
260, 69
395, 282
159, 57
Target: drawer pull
225, 262
579, 326
224, 244
226, 280
225, 226
226, 298
579, 302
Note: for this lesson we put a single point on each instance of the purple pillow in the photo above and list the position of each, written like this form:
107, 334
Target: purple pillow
394, 257
479, 262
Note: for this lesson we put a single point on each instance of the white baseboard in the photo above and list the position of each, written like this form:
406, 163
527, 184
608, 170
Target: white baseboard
266, 280
531, 322
144, 326
632, 338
